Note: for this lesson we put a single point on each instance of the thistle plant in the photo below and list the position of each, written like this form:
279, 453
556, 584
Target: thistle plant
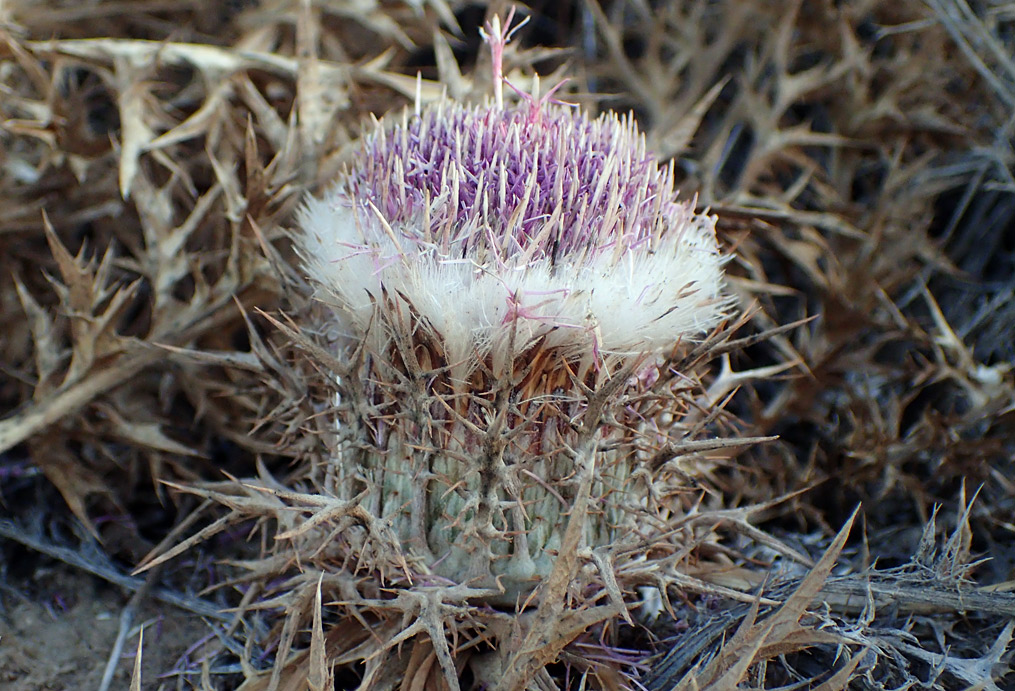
509, 286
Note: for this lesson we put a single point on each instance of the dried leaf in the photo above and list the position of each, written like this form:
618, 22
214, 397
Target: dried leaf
319, 677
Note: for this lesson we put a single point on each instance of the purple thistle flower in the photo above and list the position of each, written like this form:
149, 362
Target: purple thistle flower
501, 184
488, 262
494, 221
531, 215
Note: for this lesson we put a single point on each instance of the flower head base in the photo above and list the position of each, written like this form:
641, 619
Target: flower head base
532, 216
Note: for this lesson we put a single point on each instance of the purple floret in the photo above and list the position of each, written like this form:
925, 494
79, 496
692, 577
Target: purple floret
475, 167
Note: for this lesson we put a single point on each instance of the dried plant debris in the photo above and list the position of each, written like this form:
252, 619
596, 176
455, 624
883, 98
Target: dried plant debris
167, 378
860, 628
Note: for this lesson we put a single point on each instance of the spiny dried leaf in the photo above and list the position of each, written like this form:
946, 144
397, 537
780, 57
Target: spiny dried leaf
320, 670
778, 634
73, 479
71, 397
49, 353
135, 676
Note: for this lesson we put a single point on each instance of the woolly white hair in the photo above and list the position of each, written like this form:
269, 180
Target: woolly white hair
644, 299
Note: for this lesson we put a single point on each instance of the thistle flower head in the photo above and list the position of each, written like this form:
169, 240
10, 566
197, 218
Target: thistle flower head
531, 216
490, 265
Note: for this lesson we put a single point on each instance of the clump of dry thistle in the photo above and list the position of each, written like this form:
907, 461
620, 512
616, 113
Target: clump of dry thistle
508, 285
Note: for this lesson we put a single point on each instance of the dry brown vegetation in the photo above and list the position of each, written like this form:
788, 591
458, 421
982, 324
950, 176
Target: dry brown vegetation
158, 409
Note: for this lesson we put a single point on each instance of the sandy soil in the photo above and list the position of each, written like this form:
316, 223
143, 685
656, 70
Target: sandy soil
58, 628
